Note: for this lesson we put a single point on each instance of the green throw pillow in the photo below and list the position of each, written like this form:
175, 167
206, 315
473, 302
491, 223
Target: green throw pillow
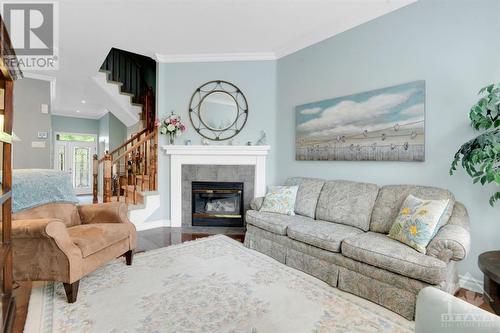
280, 199
417, 222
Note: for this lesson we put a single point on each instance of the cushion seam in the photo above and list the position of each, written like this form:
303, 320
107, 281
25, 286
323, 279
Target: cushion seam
384, 266
315, 237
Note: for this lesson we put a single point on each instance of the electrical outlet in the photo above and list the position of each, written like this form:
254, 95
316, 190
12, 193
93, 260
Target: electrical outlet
43, 135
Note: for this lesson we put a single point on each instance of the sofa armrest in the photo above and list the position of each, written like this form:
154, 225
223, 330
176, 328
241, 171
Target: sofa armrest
256, 203
111, 212
59, 233
440, 312
31, 228
452, 242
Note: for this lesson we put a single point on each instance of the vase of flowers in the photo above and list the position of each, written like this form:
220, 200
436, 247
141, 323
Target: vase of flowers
173, 127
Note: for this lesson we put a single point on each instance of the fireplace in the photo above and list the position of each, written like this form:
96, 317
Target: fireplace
217, 204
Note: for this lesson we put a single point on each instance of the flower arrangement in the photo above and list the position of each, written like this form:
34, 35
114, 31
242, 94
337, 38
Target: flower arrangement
172, 126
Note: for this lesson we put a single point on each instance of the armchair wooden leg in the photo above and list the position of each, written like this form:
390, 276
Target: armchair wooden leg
71, 290
129, 255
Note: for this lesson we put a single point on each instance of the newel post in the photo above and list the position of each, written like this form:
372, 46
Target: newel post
107, 178
95, 171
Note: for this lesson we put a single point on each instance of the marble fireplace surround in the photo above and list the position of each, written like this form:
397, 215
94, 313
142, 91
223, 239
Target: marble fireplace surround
214, 156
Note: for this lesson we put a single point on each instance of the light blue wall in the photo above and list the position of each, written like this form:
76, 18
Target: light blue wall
176, 84
29, 95
104, 134
453, 46
74, 125
112, 133
117, 132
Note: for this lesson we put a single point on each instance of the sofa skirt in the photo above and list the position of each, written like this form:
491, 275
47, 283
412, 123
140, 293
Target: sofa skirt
396, 292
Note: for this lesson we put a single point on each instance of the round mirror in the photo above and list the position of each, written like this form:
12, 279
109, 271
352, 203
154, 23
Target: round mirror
218, 110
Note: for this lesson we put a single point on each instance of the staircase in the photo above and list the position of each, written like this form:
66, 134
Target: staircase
129, 172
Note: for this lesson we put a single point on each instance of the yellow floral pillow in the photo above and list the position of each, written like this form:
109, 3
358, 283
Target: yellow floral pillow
418, 221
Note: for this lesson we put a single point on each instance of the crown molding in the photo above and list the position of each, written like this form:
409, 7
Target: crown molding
215, 57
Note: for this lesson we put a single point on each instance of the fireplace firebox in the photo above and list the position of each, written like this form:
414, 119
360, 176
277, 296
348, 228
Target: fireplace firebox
217, 204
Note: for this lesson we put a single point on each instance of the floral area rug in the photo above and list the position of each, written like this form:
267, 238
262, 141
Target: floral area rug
213, 284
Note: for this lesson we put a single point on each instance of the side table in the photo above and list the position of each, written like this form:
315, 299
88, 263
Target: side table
489, 263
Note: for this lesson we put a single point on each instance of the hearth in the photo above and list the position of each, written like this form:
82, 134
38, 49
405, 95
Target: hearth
217, 204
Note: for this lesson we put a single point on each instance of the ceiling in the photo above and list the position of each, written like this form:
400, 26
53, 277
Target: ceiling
189, 30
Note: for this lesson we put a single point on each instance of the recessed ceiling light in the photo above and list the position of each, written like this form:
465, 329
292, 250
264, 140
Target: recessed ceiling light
77, 111
84, 101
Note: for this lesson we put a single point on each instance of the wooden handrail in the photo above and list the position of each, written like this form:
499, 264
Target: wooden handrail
134, 137
135, 146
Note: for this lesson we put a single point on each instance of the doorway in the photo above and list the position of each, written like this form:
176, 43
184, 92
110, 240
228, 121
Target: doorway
73, 154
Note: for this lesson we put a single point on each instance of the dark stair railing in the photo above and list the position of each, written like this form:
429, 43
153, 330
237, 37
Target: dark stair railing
133, 164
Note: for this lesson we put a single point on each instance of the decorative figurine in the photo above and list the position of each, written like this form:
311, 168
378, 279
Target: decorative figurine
262, 140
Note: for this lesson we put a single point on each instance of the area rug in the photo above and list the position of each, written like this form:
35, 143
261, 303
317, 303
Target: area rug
213, 284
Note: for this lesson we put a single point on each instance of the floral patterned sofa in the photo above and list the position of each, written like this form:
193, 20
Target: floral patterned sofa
339, 235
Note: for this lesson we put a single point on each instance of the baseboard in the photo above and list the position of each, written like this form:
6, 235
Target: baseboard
470, 283
152, 224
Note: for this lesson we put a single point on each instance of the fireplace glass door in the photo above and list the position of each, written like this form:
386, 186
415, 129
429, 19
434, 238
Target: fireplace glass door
217, 204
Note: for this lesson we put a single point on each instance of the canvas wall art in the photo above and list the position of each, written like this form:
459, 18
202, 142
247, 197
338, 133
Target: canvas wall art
380, 125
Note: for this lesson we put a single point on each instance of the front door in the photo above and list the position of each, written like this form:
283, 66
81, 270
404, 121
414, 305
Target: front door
75, 157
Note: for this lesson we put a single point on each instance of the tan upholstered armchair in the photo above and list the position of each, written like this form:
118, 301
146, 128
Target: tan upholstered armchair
64, 242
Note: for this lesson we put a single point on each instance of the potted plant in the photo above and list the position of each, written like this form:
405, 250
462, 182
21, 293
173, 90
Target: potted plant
480, 156
172, 126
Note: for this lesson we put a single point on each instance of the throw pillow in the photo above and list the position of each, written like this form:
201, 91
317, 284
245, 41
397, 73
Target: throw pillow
280, 199
417, 222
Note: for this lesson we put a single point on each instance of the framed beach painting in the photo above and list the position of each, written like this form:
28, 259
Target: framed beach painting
380, 125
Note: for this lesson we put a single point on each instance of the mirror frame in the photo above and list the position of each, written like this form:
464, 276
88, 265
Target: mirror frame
195, 106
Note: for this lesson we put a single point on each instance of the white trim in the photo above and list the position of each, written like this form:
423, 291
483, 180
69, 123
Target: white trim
216, 150
212, 155
215, 57
42, 77
470, 283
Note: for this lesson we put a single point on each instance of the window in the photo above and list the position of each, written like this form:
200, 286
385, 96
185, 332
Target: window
75, 137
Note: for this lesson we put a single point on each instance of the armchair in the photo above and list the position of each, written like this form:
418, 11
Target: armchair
64, 242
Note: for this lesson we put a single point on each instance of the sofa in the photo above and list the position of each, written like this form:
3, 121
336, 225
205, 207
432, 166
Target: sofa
339, 235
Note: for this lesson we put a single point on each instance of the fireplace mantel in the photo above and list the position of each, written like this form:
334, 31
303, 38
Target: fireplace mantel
212, 155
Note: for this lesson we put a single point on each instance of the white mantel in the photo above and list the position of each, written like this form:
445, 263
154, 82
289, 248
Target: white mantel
212, 155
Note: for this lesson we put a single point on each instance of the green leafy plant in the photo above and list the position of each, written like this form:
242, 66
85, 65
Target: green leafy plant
480, 156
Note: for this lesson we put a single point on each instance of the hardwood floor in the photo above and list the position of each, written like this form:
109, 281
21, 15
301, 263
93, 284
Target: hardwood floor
163, 237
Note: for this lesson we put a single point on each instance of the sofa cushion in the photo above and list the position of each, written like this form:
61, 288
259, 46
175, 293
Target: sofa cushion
308, 194
276, 223
325, 235
92, 238
381, 251
347, 202
391, 197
